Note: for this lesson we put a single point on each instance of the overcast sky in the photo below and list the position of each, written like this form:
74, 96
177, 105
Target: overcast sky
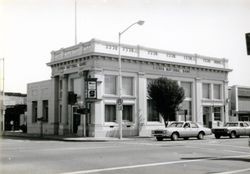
31, 29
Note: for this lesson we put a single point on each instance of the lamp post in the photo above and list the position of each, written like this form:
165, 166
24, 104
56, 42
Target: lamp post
120, 76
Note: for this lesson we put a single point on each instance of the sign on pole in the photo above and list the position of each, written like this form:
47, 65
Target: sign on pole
91, 88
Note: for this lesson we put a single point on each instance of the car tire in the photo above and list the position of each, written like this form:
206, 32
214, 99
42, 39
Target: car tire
174, 136
232, 134
217, 136
200, 136
159, 138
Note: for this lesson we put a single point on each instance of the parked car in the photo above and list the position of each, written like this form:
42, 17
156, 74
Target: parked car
232, 129
181, 129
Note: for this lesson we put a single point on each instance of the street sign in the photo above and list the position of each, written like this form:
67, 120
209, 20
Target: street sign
91, 88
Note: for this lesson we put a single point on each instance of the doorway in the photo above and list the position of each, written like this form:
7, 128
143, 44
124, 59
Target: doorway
76, 120
206, 116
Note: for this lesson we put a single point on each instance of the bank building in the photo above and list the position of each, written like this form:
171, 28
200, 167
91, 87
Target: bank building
88, 74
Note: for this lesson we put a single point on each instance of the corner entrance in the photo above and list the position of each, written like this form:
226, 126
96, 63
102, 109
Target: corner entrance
76, 120
206, 116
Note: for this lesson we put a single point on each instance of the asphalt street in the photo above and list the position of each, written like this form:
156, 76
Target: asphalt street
133, 156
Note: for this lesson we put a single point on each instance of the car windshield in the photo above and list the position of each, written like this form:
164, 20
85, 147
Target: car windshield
231, 124
176, 124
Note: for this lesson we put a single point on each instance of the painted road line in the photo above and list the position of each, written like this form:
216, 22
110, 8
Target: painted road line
212, 149
61, 148
234, 171
150, 165
131, 167
234, 151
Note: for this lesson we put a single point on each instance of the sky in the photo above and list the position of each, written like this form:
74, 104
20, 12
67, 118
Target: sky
31, 29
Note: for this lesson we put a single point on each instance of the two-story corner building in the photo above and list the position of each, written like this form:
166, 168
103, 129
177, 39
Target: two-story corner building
204, 79
239, 103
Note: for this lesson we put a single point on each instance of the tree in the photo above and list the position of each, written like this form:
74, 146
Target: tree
166, 95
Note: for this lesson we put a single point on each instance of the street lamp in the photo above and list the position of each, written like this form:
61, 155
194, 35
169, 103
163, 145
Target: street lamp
120, 76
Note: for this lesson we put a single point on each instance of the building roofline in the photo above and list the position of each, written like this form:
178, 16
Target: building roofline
15, 94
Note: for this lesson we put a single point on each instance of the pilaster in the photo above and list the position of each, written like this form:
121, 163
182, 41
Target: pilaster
142, 103
64, 128
197, 115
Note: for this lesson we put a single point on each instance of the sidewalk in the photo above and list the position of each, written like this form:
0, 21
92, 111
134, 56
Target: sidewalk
21, 135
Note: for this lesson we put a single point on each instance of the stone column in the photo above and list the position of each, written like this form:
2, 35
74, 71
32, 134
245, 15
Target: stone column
226, 101
197, 114
81, 131
142, 104
63, 129
54, 105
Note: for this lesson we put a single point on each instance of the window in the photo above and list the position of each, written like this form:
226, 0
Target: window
153, 115
110, 84
194, 125
45, 110
127, 113
127, 86
110, 113
186, 125
245, 125
34, 111
187, 86
205, 90
217, 113
217, 94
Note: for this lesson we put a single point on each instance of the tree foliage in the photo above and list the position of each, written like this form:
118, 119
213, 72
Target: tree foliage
166, 96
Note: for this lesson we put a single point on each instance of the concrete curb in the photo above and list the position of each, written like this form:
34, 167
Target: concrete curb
20, 135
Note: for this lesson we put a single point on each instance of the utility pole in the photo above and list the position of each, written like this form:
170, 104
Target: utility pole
2, 106
75, 22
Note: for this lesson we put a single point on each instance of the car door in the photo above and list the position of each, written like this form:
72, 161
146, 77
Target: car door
247, 129
186, 130
241, 129
194, 129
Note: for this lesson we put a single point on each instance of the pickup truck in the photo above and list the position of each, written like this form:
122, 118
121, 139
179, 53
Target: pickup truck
232, 129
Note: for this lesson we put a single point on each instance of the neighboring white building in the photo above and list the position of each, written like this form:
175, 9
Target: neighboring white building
239, 103
204, 79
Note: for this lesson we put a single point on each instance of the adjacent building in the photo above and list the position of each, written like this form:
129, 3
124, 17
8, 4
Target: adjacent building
90, 70
239, 103
15, 105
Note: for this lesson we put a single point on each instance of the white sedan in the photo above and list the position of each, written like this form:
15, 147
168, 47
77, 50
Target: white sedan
181, 129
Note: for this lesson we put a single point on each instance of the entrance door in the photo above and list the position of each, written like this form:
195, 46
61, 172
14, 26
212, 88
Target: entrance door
206, 114
76, 120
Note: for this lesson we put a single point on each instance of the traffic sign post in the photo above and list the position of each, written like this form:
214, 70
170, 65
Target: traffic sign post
91, 88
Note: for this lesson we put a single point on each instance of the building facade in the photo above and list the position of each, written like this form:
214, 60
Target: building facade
15, 105
239, 103
204, 79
